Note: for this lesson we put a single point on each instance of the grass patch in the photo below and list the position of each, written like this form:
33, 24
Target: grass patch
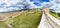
3, 25
55, 15
27, 20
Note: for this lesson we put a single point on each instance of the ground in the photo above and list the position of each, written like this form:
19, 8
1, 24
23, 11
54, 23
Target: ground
26, 19
55, 15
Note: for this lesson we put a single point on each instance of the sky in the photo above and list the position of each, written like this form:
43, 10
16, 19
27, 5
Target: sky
51, 4
10, 5
38, 2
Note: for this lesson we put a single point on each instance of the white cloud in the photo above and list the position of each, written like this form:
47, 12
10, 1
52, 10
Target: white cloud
52, 4
56, 5
42, 4
8, 3
33, 5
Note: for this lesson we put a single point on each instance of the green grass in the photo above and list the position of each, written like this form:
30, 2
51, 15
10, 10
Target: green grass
3, 25
27, 20
55, 15
24, 20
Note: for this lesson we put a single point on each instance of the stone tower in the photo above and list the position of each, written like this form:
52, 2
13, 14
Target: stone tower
46, 10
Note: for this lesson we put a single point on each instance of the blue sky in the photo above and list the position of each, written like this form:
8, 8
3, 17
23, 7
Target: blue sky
51, 4
6, 5
38, 3
41, 0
